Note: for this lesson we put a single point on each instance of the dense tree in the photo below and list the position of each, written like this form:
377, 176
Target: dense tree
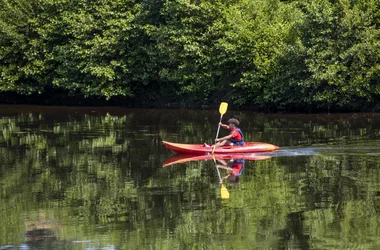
257, 52
342, 50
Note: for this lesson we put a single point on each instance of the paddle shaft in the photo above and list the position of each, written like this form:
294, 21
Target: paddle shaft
220, 178
217, 169
217, 132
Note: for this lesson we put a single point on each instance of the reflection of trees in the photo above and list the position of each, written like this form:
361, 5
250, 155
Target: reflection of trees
101, 175
339, 210
39, 157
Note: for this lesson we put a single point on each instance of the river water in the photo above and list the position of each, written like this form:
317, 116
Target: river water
93, 178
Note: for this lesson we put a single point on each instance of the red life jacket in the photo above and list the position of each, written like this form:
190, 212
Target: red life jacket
237, 167
237, 140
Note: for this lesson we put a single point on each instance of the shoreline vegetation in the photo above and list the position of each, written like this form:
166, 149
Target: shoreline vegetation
262, 55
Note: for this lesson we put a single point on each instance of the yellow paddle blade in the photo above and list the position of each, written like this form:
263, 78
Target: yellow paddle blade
223, 108
224, 192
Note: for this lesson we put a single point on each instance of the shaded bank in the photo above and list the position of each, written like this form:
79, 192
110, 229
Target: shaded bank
62, 98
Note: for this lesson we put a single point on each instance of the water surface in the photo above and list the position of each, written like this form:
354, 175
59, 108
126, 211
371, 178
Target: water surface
92, 178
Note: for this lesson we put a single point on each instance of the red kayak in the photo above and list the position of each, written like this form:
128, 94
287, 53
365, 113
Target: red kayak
182, 158
249, 147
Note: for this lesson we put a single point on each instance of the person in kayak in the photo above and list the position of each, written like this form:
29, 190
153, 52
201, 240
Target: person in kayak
235, 138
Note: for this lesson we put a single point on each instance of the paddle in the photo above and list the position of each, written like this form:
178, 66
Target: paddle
222, 110
223, 190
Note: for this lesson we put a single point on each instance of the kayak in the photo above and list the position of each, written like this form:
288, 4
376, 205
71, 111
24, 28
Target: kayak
249, 147
182, 158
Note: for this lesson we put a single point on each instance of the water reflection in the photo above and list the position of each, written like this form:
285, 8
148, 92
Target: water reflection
234, 167
232, 163
80, 178
183, 158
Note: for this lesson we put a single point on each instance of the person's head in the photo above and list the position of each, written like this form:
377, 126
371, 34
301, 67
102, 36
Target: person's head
233, 122
234, 179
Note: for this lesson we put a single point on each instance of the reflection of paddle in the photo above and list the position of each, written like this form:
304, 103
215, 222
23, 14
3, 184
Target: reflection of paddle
222, 110
223, 190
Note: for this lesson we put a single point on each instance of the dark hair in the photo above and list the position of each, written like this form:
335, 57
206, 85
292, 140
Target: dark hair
233, 121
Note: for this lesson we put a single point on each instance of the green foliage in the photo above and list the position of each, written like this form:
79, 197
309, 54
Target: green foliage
261, 52
342, 50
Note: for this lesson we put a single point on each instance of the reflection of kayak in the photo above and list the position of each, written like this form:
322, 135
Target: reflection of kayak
182, 158
249, 147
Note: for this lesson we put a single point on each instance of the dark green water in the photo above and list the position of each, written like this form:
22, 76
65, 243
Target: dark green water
92, 178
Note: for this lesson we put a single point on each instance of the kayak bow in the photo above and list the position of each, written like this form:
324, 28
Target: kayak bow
249, 147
